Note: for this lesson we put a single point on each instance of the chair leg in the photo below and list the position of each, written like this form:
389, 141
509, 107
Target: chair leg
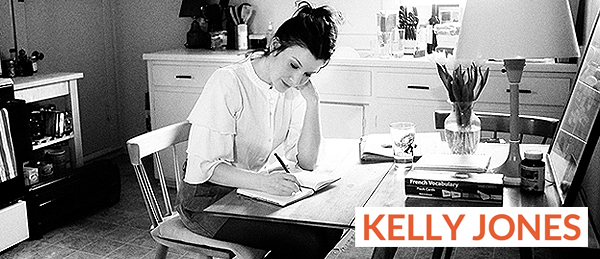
526, 252
383, 252
448, 253
161, 252
437, 253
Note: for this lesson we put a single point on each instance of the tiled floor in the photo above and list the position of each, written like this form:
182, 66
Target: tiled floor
116, 232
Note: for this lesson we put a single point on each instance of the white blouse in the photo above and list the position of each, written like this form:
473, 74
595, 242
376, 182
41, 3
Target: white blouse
239, 120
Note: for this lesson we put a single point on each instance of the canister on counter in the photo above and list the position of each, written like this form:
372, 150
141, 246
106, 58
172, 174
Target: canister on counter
44, 169
58, 158
533, 171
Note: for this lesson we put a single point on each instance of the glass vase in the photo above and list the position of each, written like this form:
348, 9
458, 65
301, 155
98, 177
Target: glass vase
462, 128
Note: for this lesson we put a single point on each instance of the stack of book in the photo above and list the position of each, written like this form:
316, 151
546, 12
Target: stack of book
452, 162
439, 187
445, 188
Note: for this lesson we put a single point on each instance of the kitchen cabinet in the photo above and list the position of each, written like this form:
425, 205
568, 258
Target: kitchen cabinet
359, 95
409, 89
175, 80
60, 89
48, 86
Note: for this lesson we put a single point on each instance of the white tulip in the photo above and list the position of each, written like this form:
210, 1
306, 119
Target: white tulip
452, 63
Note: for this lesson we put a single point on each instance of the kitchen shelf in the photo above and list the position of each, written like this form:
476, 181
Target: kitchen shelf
53, 141
41, 87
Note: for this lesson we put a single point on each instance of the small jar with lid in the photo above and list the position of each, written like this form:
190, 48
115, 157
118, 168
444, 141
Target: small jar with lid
533, 171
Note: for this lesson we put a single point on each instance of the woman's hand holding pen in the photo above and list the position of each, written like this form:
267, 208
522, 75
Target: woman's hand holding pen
281, 183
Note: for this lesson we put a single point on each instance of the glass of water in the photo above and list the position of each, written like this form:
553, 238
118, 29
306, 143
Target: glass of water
403, 137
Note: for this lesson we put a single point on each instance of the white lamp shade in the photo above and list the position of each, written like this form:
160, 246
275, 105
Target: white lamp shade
509, 29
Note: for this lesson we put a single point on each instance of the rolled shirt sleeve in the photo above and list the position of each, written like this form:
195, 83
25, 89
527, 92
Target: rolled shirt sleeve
202, 161
213, 127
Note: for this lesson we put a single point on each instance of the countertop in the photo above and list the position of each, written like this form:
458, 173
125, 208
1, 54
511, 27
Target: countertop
191, 55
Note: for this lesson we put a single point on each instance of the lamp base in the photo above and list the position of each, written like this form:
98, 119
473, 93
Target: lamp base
511, 169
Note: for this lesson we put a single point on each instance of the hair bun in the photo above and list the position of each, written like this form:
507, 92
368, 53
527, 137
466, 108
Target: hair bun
325, 13
312, 28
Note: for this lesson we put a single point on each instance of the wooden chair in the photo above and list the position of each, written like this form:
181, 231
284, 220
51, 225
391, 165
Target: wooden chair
167, 228
500, 123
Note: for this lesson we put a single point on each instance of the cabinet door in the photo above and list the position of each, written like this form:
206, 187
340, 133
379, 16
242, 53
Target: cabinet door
420, 112
172, 105
13, 225
342, 120
174, 89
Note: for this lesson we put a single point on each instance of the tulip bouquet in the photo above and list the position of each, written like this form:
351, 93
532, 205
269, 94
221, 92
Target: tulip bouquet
464, 81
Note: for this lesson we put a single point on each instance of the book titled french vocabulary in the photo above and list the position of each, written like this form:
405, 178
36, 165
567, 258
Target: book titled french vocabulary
449, 185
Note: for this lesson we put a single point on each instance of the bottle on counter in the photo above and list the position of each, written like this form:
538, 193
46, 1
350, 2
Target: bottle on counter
11, 63
23, 64
242, 36
533, 174
12, 54
35, 56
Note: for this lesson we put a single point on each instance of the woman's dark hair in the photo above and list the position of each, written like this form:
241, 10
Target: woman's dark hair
312, 28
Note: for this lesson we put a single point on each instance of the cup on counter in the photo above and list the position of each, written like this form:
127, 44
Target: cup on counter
384, 42
242, 36
403, 137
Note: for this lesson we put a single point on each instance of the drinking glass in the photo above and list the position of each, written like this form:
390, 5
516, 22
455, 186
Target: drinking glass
385, 44
403, 137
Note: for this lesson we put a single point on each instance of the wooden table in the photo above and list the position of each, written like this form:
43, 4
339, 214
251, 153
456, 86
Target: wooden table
368, 185
330, 207
390, 193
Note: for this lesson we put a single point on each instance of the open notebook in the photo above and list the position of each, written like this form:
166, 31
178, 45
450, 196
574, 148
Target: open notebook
311, 182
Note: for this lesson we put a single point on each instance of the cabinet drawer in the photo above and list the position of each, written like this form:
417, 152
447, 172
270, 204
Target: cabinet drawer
35, 94
333, 80
13, 225
172, 107
409, 85
533, 90
182, 75
418, 111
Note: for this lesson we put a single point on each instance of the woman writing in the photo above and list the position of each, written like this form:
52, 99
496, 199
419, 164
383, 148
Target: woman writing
244, 113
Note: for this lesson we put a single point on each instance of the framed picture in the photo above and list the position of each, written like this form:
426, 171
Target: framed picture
447, 13
576, 138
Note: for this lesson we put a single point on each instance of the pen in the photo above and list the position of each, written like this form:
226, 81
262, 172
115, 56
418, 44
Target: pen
282, 163
286, 169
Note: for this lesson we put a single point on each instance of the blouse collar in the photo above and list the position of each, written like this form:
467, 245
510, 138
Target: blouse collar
254, 77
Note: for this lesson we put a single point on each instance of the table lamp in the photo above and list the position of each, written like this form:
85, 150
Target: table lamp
196, 36
515, 30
